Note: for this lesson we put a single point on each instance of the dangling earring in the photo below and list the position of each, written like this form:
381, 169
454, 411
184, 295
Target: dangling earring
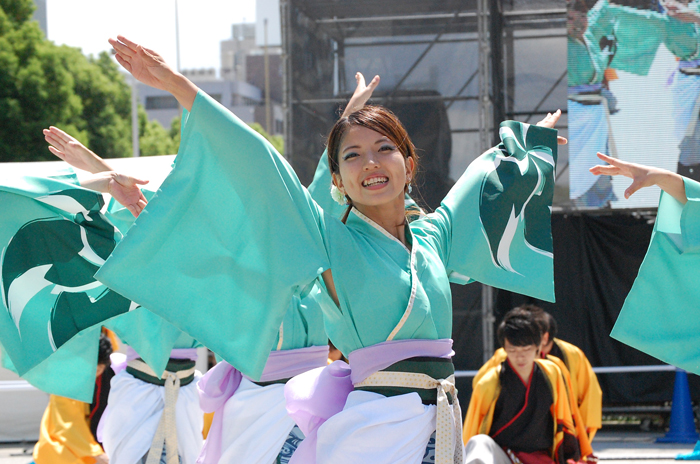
410, 188
338, 196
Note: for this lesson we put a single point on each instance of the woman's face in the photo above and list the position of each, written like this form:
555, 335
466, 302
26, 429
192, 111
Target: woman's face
372, 171
576, 23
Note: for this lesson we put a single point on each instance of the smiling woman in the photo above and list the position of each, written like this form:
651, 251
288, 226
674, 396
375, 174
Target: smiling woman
373, 161
389, 278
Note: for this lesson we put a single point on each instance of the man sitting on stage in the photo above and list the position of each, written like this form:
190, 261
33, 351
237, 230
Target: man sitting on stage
519, 410
584, 383
587, 397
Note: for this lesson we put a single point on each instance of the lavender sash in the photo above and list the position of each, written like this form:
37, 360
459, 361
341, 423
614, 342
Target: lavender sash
315, 396
222, 381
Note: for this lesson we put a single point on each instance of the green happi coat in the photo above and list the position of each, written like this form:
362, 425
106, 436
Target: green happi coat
53, 239
232, 230
637, 35
660, 314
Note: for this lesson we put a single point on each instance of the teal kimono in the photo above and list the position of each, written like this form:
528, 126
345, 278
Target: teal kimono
232, 230
638, 35
53, 239
660, 314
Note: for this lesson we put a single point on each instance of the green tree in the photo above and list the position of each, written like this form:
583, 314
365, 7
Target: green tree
154, 140
43, 84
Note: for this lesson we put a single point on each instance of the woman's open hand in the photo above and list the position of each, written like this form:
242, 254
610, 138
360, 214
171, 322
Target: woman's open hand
550, 121
362, 93
125, 189
642, 176
144, 64
70, 150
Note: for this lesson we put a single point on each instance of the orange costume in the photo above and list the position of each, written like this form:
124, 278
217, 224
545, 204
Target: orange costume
584, 383
64, 436
487, 390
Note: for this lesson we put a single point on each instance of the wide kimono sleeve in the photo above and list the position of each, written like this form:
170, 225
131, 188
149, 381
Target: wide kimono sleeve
637, 34
660, 314
64, 435
320, 189
228, 239
53, 238
494, 224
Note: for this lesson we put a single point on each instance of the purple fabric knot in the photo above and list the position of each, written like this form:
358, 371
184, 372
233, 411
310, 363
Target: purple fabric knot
312, 398
215, 388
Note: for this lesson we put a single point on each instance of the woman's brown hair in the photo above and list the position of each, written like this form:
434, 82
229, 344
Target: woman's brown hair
378, 119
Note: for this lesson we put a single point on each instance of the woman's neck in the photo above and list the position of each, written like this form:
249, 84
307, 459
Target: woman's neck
389, 216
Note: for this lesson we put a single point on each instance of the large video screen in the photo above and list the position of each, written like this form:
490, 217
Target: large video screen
634, 88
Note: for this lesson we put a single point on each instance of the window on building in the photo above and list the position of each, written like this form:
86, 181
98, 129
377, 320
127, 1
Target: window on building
216, 96
165, 102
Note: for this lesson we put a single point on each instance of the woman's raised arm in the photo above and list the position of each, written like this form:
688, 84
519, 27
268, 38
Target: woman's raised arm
70, 150
643, 176
150, 68
125, 189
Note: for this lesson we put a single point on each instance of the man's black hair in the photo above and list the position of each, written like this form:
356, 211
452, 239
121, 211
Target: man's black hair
105, 349
551, 325
541, 317
520, 328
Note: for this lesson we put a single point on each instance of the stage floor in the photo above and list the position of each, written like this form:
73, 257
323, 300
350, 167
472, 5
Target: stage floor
610, 447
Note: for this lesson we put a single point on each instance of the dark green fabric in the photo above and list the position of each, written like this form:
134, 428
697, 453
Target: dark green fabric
271, 382
174, 365
437, 368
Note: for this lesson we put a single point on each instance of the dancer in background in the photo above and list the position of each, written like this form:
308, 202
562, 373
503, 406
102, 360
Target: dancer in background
658, 316
68, 427
601, 39
142, 402
684, 43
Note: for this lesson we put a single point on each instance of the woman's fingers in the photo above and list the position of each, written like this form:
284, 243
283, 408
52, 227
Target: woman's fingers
606, 158
550, 120
132, 45
360, 79
636, 185
561, 140
133, 210
121, 48
59, 133
374, 83
123, 62
605, 170
52, 139
57, 152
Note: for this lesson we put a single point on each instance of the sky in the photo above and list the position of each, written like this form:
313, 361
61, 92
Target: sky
87, 24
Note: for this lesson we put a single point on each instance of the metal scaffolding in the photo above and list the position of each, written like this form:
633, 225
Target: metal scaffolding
452, 70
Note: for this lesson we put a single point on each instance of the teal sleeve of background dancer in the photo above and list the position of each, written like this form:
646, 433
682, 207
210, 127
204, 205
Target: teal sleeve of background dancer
228, 239
320, 189
601, 21
638, 33
659, 316
70, 371
5, 360
494, 224
690, 217
682, 39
